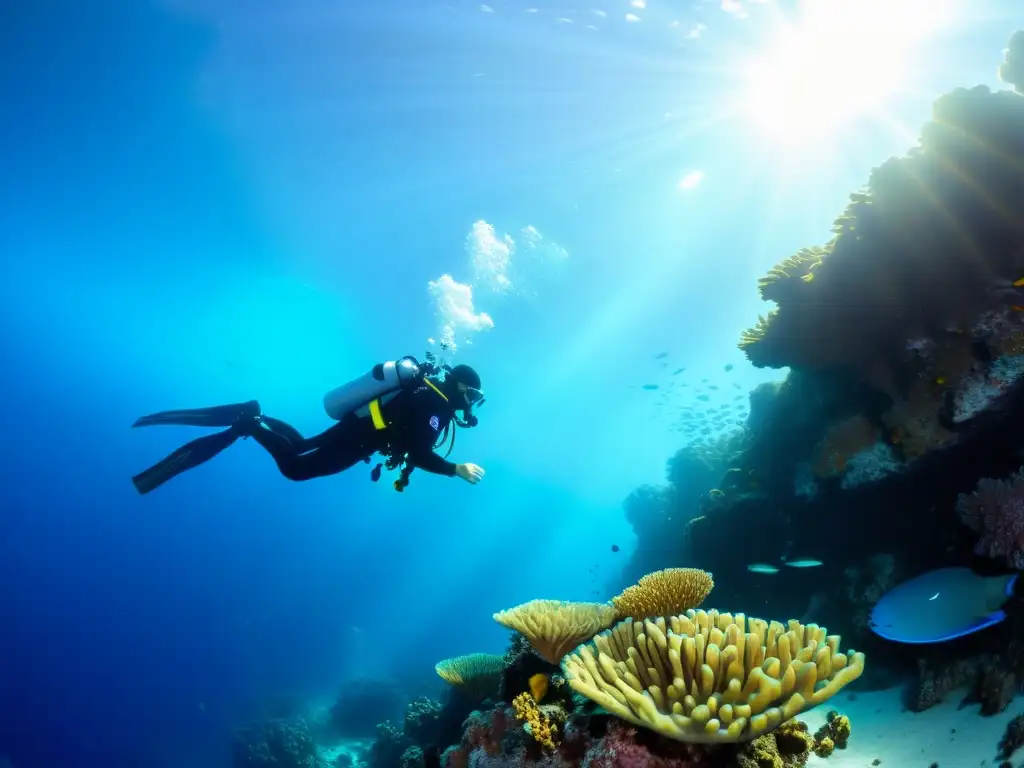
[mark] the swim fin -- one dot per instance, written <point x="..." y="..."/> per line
<point x="188" y="456"/>
<point x="217" y="416"/>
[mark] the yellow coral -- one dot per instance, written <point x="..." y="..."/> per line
<point x="477" y="673"/>
<point x="824" y="747"/>
<point x="792" y="738"/>
<point x="756" y="335"/>
<point x="840" y="727"/>
<point x="538" y="724"/>
<point x="787" y="747"/>
<point x="554" y="627"/>
<point x="836" y="730"/>
<point x="664" y="593"/>
<point x="789" y="273"/>
<point x="710" y="677"/>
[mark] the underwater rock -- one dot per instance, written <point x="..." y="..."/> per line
<point x="389" y="747"/>
<point x="864" y="585"/>
<point x="842" y="525"/>
<point x="276" y="743"/>
<point x="421" y="720"/>
<point x="1012" y="739"/>
<point x="995" y="688"/>
<point x="412" y="758"/>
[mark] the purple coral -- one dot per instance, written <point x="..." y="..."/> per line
<point x="620" y="749"/>
<point x="996" y="511"/>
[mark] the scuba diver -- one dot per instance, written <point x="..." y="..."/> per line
<point x="401" y="409"/>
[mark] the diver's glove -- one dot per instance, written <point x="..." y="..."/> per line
<point x="471" y="473"/>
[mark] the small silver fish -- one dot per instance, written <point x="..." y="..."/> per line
<point x="762" y="568"/>
<point x="804" y="563"/>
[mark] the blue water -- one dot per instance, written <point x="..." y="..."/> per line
<point x="204" y="201"/>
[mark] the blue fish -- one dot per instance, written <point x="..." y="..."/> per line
<point x="941" y="605"/>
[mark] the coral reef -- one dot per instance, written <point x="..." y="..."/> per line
<point x="903" y="334"/>
<point x="929" y="356"/>
<point x="553" y="627"/>
<point x="990" y="679"/>
<point x="622" y="747"/>
<point x="522" y="664"/>
<point x="413" y="757"/>
<point x="663" y="593"/>
<point x="835" y="733"/>
<point x="541" y="724"/>
<point x="276" y="743"/>
<point x="422" y="716"/>
<point x="786" y="747"/>
<point x="996" y="512"/>
<point x="890" y="234"/>
<point x="476" y="674"/>
<point x="706" y="677"/>
<point x="841" y="443"/>
<point x="389" y="747"/>
<point x="491" y="740"/>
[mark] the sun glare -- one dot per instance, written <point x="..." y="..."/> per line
<point x="842" y="60"/>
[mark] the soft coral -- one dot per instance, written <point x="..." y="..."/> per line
<point x="620" y="749"/>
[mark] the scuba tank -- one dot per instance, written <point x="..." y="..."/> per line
<point x="366" y="395"/>
<point x="381" y="380"/>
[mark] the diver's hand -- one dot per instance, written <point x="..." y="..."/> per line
<point x="471" y="473"/>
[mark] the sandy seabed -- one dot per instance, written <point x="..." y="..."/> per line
<point x="948" y="735"/>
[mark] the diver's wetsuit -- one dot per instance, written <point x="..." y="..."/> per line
<point x="414" y="421"/>
<point x="414" y="418"/>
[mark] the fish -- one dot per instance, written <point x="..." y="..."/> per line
<point x="762" y="568"/>
<point x="615" y="547"/>
<point x="661" y="356"/>
<point x="650" y="387"/>
<point x="677" y="371"/>
<point x="941" y="605"/>
<point x="804" y="563"/>
<point x="728" y="367"/>
<point x="538" y="686"/>
<point x="705" y="398"/>
<point x="1018" y="282"/>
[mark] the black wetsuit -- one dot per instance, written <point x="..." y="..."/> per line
<point x="415" y="420"/>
